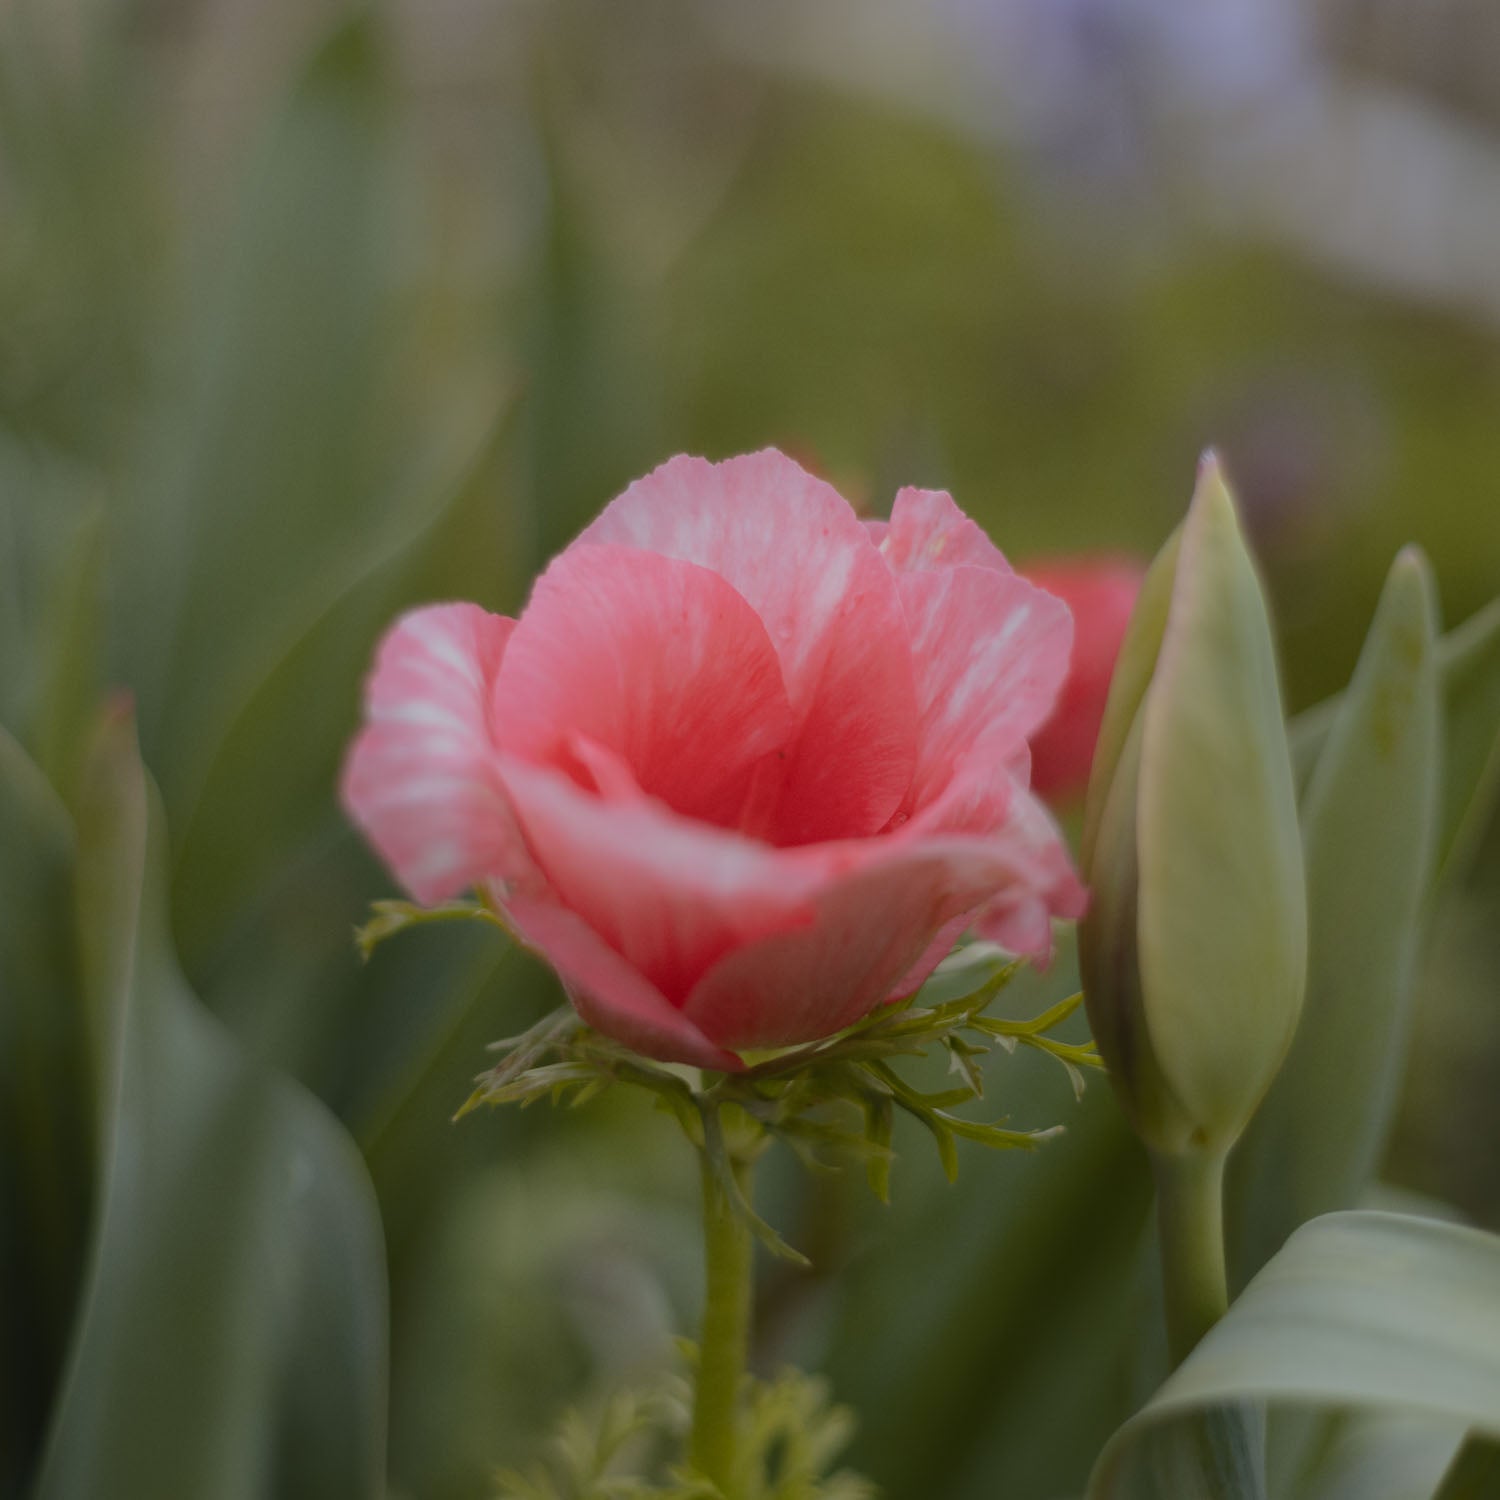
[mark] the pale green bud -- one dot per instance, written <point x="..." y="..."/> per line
<point x="1194" y="950"/>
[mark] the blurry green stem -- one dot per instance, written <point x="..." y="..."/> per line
<point x="1190" y="1217"/>
<point x="724" y="1347"/>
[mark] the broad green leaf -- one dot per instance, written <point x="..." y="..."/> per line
<point x="51" y="602"/>
<point x="71" y="651"/>
<point x="1389" y="1456"/>
<point x="1367" y="1310"/>
<point x="1474" y="1473"/>
<point x="231" y="1339"/>
<point x="1217" y="1454"/>
<point x="267" y="790"/>
<point x="46" y="1138"/>
<point x="81" y="243"/>
<point x="1308" y="733"/>
<point x="267" y="848"/>
<point x="1469" y="667"/>
<point x="1369" y="817"/>
<point x="588" y="367"/>
<point x="273" y="427"/>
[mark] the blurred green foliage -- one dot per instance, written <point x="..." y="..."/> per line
<point x="309" y="314"/>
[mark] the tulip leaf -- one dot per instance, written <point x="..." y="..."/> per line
<point x="1360" y="1455"/>
<point x="1385" y="1312"/>
<point x="271" y="429"/>
<point x="71" y="652"/>
<point x="1474" y="1473"/>
<point x="265" y="795"/>
<point x="46" y="1152"/>
<point x="231" y="1339"/>
<point x="265" y="845"/>
<point x="1308" y="733"/>
<point x="1469" y="666"/>
<point x="1369" y="816"/>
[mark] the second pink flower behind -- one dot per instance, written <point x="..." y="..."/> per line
<point x="744" y="768"/>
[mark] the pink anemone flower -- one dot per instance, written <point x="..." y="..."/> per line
<point x="744" y="768"/>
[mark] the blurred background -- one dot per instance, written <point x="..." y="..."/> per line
<point x="311" y="311"/>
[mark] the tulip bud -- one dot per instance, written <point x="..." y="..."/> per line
<point x="1194" y="949"/>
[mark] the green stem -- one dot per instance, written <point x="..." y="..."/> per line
<point x="1190" y="1216"/>
<point x="722" y="1352"/>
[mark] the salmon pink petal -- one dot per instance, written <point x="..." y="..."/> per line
<point x="989" y="649"/>
<point x="420" y="779"/>
<point x="608" y="993"/>
<point x="805" y="563"/>
<point x="890" y="909"/>
<point x="1101" y="592"/>
<point x="927" y="530"/>
<point x="937" y="950"/>
<point x="990" y="652"/>
<point x="1040" y="883"/>
<point x="657" y="660"/>
<point x="875" y="923"/>
<point x="668" y="894"/>
<point x="1032" y="874"/>
<point x="603" y="769"/>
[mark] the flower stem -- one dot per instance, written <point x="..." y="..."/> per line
<point x="728" y="1257"/>
<point x="1190" y="1217"/>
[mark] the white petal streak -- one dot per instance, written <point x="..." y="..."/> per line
<point x="421" y="779"/>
